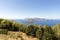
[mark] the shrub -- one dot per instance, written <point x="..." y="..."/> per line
<point x="3" y="31"/>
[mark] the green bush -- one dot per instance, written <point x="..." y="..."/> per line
<point x="3" y="31"/>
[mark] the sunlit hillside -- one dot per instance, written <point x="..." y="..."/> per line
<point x="16" y="36"/>
<point x="11" y="30"/>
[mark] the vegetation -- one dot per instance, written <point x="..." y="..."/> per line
<point x="42" y="32"/>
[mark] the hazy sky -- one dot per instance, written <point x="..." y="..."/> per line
<point x="19" y="9"/>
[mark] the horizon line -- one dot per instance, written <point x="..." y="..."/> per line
<point x="30" y="18"/>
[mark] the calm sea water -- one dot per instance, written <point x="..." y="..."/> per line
<point x="40" y="22"/>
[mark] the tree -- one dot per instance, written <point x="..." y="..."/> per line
<point x="39" y="32"/>
<point x="6" y="24"/>
<point x="48" y="33"/>
<point x="23" y="28"/>
<point x="1" y="20"/>
<point x="56" y="30"/>
<point x="31" y="30"/>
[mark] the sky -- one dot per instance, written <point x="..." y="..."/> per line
<point x="20" y="9"/>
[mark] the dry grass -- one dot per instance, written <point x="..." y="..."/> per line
<point x="16" y="36"/>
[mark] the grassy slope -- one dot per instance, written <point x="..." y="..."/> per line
<point x="16" y="36"/>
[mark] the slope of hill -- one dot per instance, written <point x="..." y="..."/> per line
<point x="29" y="31"/>
<point x="16" y="36"/>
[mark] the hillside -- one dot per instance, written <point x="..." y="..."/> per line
<point x="14" y="30"/>
<point x="16" y="36"/>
